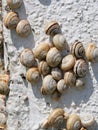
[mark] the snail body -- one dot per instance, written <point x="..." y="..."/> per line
<point x="33" y="75"/>
<point x="14" y="4"/>
<point x="27" y="58"/>
<point x="23" y="28"/>
<point x="77" y="49"/>
<point x="80" y="68"/>
<point x="61" y="86"/>
<point x="53" y="57"/>
<point x="59" y="41"/>
<point x="11" y="20"/>
<point x="67" y="62"/>
<point x="41" y="51"/>
<point x="56" y="73"/>
<point x="48" y="85"/>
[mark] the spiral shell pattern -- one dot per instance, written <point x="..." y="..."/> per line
<point x="56" y="73"/>
<point x="61" y="86"/>
<point x="14" y="4"/>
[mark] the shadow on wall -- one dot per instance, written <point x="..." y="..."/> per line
<point x="46" y="2"/>
<point x="95" y="70"/>
<point x="18" y="41"/>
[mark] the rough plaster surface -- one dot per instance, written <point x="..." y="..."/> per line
<point x="78" y="20"/>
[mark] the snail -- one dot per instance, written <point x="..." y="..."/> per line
<point x="41" y="51"/>
<point x="68" y="62"/>
<point x="27" y="58"/>
<point x="80" y="68"/>
<point x="61" y="86"/>
<point x="44" y="68"/>
<point x="55" y="119"/>
<point x="53" y="57"/>
<point x="48" y="85"/>
<point x="52" y="28"/>
<point x="92" y="52"/>
<point x="56" y="73"/>
<point x="3" y="127"/>
<point x="3" y="118"/>
<point x="14" y="4"/>
<point x="83" y="128"/>
<point x="4" y="80"/>
<point x="59" y="41"/>
<point x="73" y="122"/>
<point x="80" y="83"/>
<point x="33" y="75"/>
<point x="69" y="78"/>
<point x="23" y="28"/>
<point x="56" y="95"/>
<point x="11" y="20"/>
<point x="77" y="49"/>
<point x="87" y="120"/>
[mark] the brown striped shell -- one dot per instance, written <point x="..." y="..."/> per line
<point x="80" y="68"/>
<point x="77" y="49"/>
<point x="61" y="86"/>
<point x="27" y="58"/>
<point x="23" y="28"/>
<point x="52" y="28"/>
<point x="56" y="73"/>
<point x="68" y="62"/>
<point x="14" y="4"/>
<point x="53" y="57"/>
<point x="41" y="51"/>
<point x="48" y="85"/>
<point x="11" y="20"/>
<point x="33" y="75"/>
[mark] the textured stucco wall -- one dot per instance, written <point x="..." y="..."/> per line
<point x="78" y="20"/>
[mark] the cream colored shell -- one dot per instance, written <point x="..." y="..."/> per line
<point x="33" y="75"/>
<point x="11" y="20"/>
<point x="56" y="73"/>
<point x="41" y="50"/>
<point x="27" y="58"/>
<point x="48" y="85"/>
<point x="53" y="57"/>
<point x="61" y="86"/>
<point x="83" y="128"/>
<point x="73" y="122"/>
<point x="59" y="41"/>
<point x="14" y="4"/>
<point x="3" y="118"/>
<point x="23" y="28"/>
<point x="80" y="83"/>
<point x="68" y="62"/>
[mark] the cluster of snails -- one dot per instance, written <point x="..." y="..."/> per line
<point x="12" y="20"/>
<point x="58" y="117"/>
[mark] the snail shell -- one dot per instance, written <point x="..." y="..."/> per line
<point x="53" y="57"/>
<point x="44" y="68"/>
<point x="68" y="62"/>
<point x="11" y="20"/>
<point x="41" y="51"/>
<point x="70" y="78"/>
<point x="3" y="127"/>
<point x="61" y="86"/>
<point x="3" y="118"/>
<point x="60" y="42"/>
<point x="87" y="120"/>
<point x="23" y="28"/>
<point x="73" y="122"/>
<point x="48" y="85"/>
<point x="83" y="128"/>
<point x="56" y="95"/>
<point x="92" y="52"/>
<point x="27" y="58"/>
<point x="80" y="68"/>
<point x="56" y="73"/>
<point x="80" y="83"/>
<point x="14" y="4"/>
<point x="52" y="28"/>
<point x="33" y="75"/>
<point x="77" y="49"/>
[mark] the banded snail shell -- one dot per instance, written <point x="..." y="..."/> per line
<point x="83" y="128"/>
<point x="73" y="122"/>
<point x="11" y="20"/>
<point x="59" y="41"/>
<point x="80" y="68"/>
<point x="3" y="118"/>
<point x="68" y="62"/>
<point x="52" y="28"/>
<point x="44" y="68"/>
<point x="23" y="28"/>
<point x="48" y="85"/>
<point x="77" y="49"/>
<point x="53" y="57"/>
<point x="33" y="75"/>
<point x="80" y="83"/>
<point x="41" y="51"/>
<point x="70" y="79"/>
<point x="14" y="4"/>
<point x="61" y="86"/>
<point x="56" y="73"/>
<point x="27" y="58"/>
